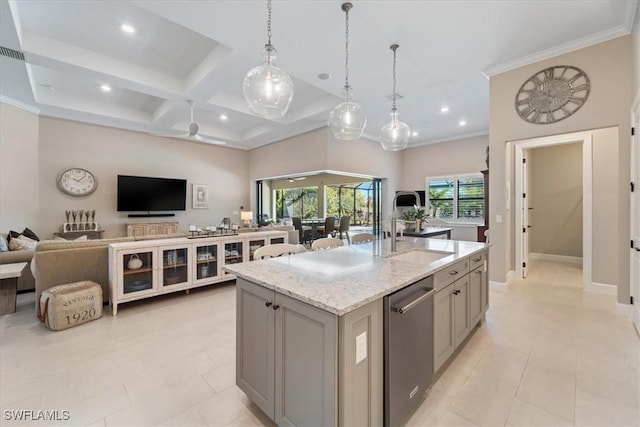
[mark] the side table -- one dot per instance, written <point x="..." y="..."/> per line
<point x="9" y="274"/>
<point x="91" y="234"/>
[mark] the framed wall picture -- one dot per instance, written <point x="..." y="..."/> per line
<point x="200" y="196"/>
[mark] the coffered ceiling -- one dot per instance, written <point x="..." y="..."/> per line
<point x="201" y="50"/>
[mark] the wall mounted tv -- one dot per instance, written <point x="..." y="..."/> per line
<point x="411" y="200"/>
<point x="147" y="194"/>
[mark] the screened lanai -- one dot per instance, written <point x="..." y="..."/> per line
<point x="354" y="199"/>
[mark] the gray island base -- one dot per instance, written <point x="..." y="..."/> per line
<point x="310" y="327"/>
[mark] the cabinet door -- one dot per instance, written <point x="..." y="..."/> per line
<point x="306" y="364"/>
<point x="232" y="252"/>
<point x="206" y="262"/>
<point x="255" y="244"/>
<point x="485" y="287"/>
<point x="476" y="303"/>
<point x="461" y="310"/>
<point x="255" y="344"/>
<point x="175" y="267"/>
<point x="136" y="272"/>
<point x="443" y="343"/>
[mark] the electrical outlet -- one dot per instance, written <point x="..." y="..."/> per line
<point x="235" y="212"/>
<point x="498" y="219"/>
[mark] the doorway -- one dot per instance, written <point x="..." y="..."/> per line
<point x="522" y="210"/>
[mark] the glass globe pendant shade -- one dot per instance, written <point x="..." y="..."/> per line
<point x="348" y="119"/>
<point x="267" y="89"/>
<point x="395" y="135"/>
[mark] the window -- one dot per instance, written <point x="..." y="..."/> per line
<point x="456" y="197"/>
<point x="300" y="201"/>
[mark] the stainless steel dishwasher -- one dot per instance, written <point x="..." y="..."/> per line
<point x="408" y="349"/>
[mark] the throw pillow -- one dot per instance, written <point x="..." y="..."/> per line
<point x="30" y="234"/>
<point x="12" y="235"/>
<point x="22" y="243"/>
<point x="4" y="245"/>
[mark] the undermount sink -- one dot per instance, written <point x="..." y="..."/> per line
<point x="421" y="257"/>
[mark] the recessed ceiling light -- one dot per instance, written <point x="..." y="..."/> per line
<point x="324" y="76"/>
<point x="444" y="110"/>
<point x="46" y="86"/>
<point x="414" y="134"/>
<point x="105" y="88"/>
<point x="223" y="117"/>
<point x="462" y="123"/>
<point x="127" y="28"/>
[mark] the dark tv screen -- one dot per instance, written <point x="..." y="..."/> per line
<point x="142" y="193"/>
<point x="410" y="200"/>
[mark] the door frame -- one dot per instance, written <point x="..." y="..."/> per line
<point x="586" y="139"/>
<point x="634" y="262"/>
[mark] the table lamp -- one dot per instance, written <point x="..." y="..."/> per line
<point x="246" y="217"/>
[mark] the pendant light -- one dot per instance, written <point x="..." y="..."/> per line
<point x="395" y="135"/>
<point x="267" y="89"/>
<point x="348" y="119"/>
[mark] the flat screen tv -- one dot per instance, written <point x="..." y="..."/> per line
<point x="411" y="200"/>
<point x="146" y="194"/>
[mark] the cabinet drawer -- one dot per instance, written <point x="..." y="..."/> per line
<point x="476" y="260"/>
<point x="451" y="274"/>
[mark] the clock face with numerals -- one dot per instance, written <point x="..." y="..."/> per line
<point x="77" y="182"/>
<point x="552" y="94"/>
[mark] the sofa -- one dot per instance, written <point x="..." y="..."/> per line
<point x="26" y="282"/>
<point x="59" y="262"/>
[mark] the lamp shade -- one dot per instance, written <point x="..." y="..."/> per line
<point x="267" y="89"/>
<point x="394" y="136"/>
<point x="246" y="215"/>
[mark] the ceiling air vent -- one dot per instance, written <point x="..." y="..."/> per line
<point x="5" y="51"/>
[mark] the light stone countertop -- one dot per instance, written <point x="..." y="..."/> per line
<point x="342" y="279"/>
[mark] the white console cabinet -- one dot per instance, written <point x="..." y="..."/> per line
<point x="148" y="268"/>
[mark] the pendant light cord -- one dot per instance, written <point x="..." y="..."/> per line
<point x="269" y="22"/>
<point x="346" y="7"/>
<point x="394" y="48"/>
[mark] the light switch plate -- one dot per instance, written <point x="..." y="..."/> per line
<point x="361" y="347"/>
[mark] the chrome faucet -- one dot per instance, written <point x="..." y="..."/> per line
<point x="393" y="214"/>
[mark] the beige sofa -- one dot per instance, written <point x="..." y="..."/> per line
<point x="26" y="281"/>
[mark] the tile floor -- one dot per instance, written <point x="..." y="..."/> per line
<point x="549" y="354"/>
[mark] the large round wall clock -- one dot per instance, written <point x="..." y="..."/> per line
<point x="552" y="94"/>
<point x="77" y="182"/>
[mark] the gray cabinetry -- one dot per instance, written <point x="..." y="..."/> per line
<point x="458" y="305"/>
<point x="286" y="359"/>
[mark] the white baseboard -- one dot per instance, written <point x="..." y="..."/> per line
<point x="624" y="310"/>
<point x="602" y="288"/>
<point x="511" y="275"/>
<point x="492" y="283"/>
<point x="559" y="258"/>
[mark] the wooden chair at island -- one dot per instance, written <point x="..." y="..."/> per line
<point x="362" y="238"/>
<point x="326" y="243"/>
<point x="276" y="250"/>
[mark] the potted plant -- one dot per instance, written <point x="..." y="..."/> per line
<point x="415" y="215"/>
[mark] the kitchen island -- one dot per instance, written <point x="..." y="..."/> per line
<point x="310" y="327"/>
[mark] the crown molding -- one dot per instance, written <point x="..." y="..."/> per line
<point x="19" y="104"/>
<point x="542" y="55"/>
<point x="449" y="139"/>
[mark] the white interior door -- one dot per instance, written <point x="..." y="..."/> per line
<point x="635" y="217"/>
<point x="525" y="214"/>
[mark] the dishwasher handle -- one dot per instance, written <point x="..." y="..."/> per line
<point x="412" y="302"/>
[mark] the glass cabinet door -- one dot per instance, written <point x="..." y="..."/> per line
<point x="274" y="240"/>
<point x="232" y="252"/>
<point x="137" y="272"/>
<point x="253" y="246"/>
<point x="175" y="266"/>
<point x="206" y="261"/>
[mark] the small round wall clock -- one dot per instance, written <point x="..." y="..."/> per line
<point x="77" y="182"/>
<point x="552" y="94"/>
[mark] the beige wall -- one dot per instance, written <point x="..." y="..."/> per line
<point x="19" y="171"/>
<point x="319" y="151"/>
<point x="463" y="156"/>
<point x="555" y="194"/>
<point x="609" y="67"/>
<point x="108" y="152"/>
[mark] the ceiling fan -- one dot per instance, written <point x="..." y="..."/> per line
<point x="193" y="131"/>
